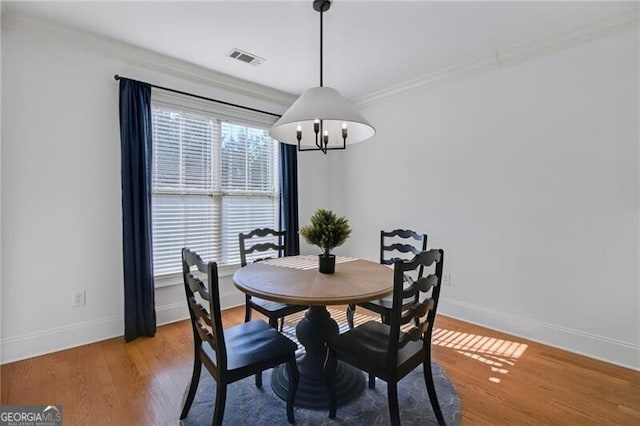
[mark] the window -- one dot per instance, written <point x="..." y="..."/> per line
<point x="214" y="174"/>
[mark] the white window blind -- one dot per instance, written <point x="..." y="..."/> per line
<point x="214" y="174"/>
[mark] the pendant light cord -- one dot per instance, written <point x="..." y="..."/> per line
<point x="321" y="37"/>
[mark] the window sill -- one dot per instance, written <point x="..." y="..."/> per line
<point x="170" y="280"/>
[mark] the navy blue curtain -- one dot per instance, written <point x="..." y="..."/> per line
<point x="289" y="197"/>
<point x="135" y="142"/>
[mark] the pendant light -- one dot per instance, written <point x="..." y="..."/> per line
<point x="321" y="119"/>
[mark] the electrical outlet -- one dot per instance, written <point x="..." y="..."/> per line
<point x="446" y="279"/>
<point x="79" y="298"/>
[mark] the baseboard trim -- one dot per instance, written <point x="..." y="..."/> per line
<point x="175" y="312"/>
<point x="590" y="345"/>
<point x="74" y="335"/>
<point x="56" y="339"/>
<point x="594" y="346"/>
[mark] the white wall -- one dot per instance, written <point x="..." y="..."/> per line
<point x="2" y="6"/>
<point x="61" y="188"/>
<point x="314" y="190"/>
<point x="528" y="178"/>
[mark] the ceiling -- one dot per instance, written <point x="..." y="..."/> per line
<point x="368" y="45"/>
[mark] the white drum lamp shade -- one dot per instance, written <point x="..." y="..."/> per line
<point x="326" y="104"/>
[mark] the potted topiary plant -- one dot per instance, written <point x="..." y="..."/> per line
<point x="327" y="231"/>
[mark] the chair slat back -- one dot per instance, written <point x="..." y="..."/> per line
<point x="263" y="240"/>
<point x="206" y="324"/>
<point x="425" y="291"/>
<point x="401" y="244"/>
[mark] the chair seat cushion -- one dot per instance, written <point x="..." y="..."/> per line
<point x="383" y="306"/>
<point x="254" y="343"/>
<point x="365" y="347"/>
<point x="378" y="304"/>
<point x="268" y="307"/>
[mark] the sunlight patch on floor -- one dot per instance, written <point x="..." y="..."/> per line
<point x="498" y="354"/>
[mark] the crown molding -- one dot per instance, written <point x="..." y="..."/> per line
<point x="177" y="68"/>
<point x="509" y="56"/>
<point x="144" y="58"/>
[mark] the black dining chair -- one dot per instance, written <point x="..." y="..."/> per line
<point x="391" y="351"/>
<point x="271" y="243"/>
<point x="235" y="353"/>
<point x="396" y="244"/>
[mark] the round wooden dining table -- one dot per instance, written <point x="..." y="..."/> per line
<point x="296" y="280"/>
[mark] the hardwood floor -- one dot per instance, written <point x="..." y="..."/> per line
<point x="501" y="379"/>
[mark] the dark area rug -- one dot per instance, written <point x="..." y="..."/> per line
<point x="248" y="405"/>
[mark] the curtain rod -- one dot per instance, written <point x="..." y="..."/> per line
<point x="117" y="77"/>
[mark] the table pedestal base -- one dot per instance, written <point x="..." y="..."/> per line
<point x="312" y="393"/>
<point x="312" y="332"/>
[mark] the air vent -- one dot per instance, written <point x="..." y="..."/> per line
<point x="246" y="57"/>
